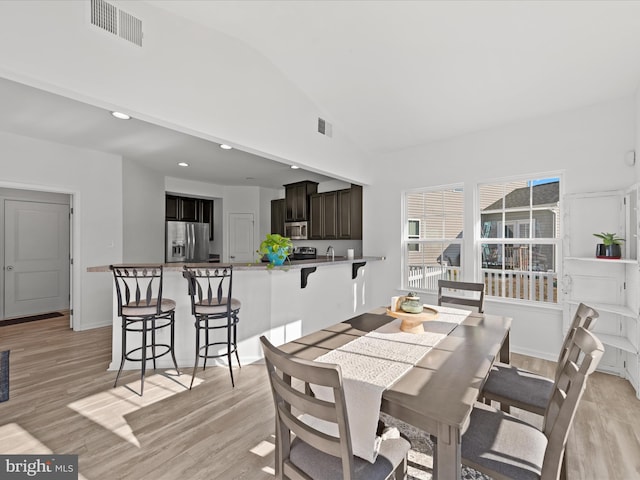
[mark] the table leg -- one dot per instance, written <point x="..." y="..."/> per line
<point x="447" y="461"/>
<point x="505" y="351"/>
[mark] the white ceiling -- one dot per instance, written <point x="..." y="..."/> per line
<point x="388" y="74"/>
<point x="394" y="74"/>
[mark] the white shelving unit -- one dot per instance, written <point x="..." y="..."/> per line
<point x="612" y="287"/>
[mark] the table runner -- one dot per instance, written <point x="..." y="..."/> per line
<point x="374" y="362"/>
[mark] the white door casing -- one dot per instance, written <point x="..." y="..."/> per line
<point x="37" y="265"/>
<point x="241" y="247"/>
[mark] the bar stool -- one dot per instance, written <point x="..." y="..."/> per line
<point x="143" y="311"/>
<point x="213" y="308"/>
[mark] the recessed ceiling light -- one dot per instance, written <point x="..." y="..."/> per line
<point x="120" y="115"/>
<point x="183" y="164"/>
<point x="295" y="167"/>
<point x="224" y="146"/>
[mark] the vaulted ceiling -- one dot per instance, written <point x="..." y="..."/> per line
<point x="394" y="73"/>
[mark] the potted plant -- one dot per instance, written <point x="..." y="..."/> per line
<point x="276" y="248"/>
<point x="610" y="246"/>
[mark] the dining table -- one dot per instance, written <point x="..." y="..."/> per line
<point x="438" y="392"/>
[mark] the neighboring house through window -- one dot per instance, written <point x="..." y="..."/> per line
<point x="434" y="220"/>
<point x="518" y="238"/>
<point x="520" y="225"/>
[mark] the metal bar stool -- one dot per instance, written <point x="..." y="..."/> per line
<point x="143" y="311"/>
<point x="213" y="308"/>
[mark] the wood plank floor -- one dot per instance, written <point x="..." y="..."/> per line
<point x="61" y="401"/>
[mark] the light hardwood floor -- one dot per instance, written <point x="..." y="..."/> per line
<point x="61" y="401"/>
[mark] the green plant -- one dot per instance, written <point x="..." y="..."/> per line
<point x="609" y="238"/>
<point x="277" y="244"/>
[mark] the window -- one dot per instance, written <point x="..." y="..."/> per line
<point x="519" y="230"/>
<point x="432" y="242"/>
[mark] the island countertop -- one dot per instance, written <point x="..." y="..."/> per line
<point x="283" y="302"/>
<point x="293" y="264"/>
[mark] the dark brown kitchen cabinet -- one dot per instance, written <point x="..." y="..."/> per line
<point x="206" y="209"/>
<point x="350" y="213"/>
<point x="297" y="200"/>
<point x="187" y="209"/>
<point x="323" y="208"/>
<point x="277" y="216"/>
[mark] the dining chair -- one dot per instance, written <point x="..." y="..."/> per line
<point x="144" y="311"/>
<point x="515" y="387"/>
<point x="214" y="309"/>
<point x="505" y="447"/>
<point x="316" y="454"/>
<point x="461" y="293"/>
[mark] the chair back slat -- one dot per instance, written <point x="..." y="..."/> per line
<point x="290" y="377"/>
<point x="568" y="390"/>
<point x="585" y="317"/>
<point x="469" y="294"/>
<point x="202" y="285"/>
<point x="138" y="286"/>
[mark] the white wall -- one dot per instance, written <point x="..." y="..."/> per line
<point x="143" y="214"/>
<point x="588" y="145"/>
<point x="95" y="181"/>
<point x="185" y="76"/>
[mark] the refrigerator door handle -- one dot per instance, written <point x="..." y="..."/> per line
<point x="193" y="241"/>
<point x="188" y="234"/>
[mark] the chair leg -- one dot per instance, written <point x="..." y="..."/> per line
<point x="206" y="342"/>
<point x="123" y="346"/>
<point x="195" y="362"/>
<point x="143" y="356"/>
<point x="235" y="340"/>
<point x="153" y="342"/>
<point x="172" y="341"/>
<point x="229" y="355"/>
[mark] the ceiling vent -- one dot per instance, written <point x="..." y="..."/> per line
<point x="108" y="17"/>
<point x="324" y="127"/>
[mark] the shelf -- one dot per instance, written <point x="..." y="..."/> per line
<point x="602" y="260"/>
<point x="610" y="308"/>
<point x="618" y="342"/>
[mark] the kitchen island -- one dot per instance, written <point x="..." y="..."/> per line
<point x="284" y="302"/>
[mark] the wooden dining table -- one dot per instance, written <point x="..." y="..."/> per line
<point x="438" y="393"/>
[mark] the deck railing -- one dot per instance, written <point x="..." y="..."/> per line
<point x="533" y="286"/>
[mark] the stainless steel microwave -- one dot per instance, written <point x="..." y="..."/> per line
<point x="296" y="230"/>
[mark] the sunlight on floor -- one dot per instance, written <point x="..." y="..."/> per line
<point x="110" y="407"/>
<point x="15" y="440"/>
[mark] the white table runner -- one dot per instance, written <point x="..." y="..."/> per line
<point x="374" y="362"/>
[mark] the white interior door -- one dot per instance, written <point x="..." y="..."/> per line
<point x="241" y="243"/>
<point x="36" y="253"/>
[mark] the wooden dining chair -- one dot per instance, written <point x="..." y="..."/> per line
<point x="315" y="454"/>
<point x="515" y="387"/>
<point x="461" y="293"/>
<point x="505" y="447"/>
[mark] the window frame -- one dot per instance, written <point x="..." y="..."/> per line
<point x="556" y="241"/>
<point x="408" y="240"/>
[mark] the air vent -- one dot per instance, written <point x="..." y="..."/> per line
<point x="109" y="18"/>
<point x="104" y="15"/>
<point x="130" y="28"/>
<point x="324" y="127"/>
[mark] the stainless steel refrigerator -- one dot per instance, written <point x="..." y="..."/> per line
<point x="187" y="242"/>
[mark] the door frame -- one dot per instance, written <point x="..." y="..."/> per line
<point x="75" y="287"/>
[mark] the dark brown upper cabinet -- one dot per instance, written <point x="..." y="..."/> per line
<point x="187" y="209"/>
<point x="277" y="216"/>
<point x="323" y="216"/>
<point x="297" y="200"/>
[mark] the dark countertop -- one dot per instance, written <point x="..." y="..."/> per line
<point x="321" y="261"/>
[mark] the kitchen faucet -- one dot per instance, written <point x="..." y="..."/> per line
<point x="330" y="252"/>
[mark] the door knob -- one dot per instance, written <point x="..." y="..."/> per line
<point x="9" y="267"/>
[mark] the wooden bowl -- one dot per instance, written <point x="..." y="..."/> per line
<point x="412" y="322"/>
